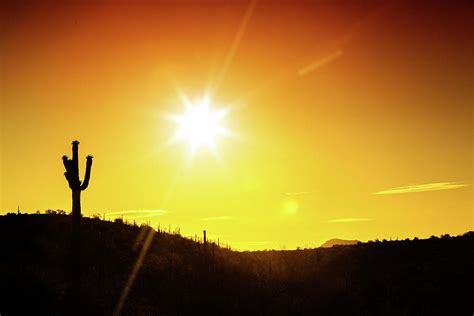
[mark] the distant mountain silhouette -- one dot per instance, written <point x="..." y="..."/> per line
<point x="338" y="242"/>
<point x="151" y="272"/>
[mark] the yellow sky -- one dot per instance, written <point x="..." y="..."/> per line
<point x="352" y="121"/>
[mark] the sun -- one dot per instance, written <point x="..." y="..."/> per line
<point x="200" y="126"/>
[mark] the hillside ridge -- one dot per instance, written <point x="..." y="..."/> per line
<point x="178" y="276"/>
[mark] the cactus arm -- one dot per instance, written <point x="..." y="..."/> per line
<point x="65" y="162"/>
<point x="68" y="180"/>
<point x="67" y="174"/>
<point x="85" y="183"/>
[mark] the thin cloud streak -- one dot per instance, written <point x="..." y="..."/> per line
<point x="423" y="187"/>
<point x="350" y="220"/>
<point x="249" y="243"/>
<point x="139" y="213"/>
<point x="146" y="216"/>
<point x="298" y="193"/>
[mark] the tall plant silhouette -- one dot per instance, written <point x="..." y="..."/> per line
<point x="76" y="186"/>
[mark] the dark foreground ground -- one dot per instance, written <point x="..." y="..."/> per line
<point x="181" y="277"/>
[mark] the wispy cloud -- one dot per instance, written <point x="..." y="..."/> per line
<point x="298" y="193"/>
<point x="247" y="244"/>
<point x="218" y="218"/>
<point x="423" y="187"/>
<point x="136" y="214"/>
<point x="148" y="215"/>
<point x="350" y="220"/>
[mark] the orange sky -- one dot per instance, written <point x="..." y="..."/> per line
<point x="332" y="102"/>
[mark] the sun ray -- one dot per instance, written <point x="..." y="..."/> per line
<point x="235" y="44"/>
<point x="134" y="272"/>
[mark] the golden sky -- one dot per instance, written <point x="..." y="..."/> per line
<point x="351" y="119"/>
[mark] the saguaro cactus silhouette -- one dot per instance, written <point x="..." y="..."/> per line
<point x="72" y="177"/>
<point x="76" y="186"/>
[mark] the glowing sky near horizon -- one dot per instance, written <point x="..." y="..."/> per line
<point x="353" y="119"/>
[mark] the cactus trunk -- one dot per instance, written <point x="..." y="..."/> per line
<point x="76" y="226"/>
<point x="76" y="208"/>
<point x="75" y="267"/>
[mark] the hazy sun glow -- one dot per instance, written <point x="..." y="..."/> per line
<point x="200" y="126"/>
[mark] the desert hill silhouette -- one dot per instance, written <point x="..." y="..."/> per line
<point x="179" y="276"/>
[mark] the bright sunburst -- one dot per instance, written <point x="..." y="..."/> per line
<point x="200" y="126"/>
